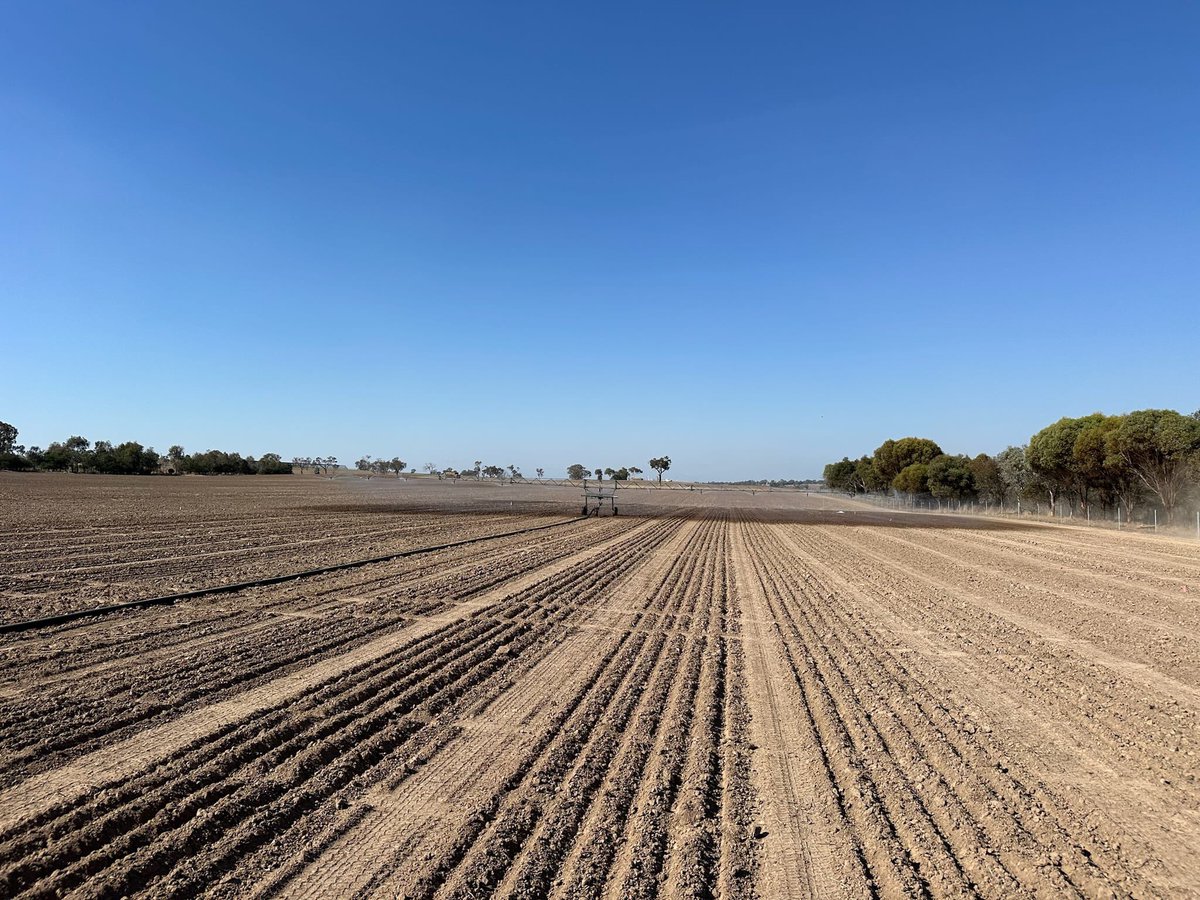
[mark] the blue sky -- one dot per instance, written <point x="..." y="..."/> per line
<point x="752" y="238"/>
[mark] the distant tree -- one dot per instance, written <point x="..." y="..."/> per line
<point x="493" y="471"/>
<point x="1051" y="456"/>
<point x="138" y="460"/>
<point x="839" y="476"/>
<point x="513" y="472"/>
<point x="1160" y="446"/>
<point x="397" y="465"/>
<point x="577" y="472"/>
<point x="273" y="464"/>
<point x="430" y="467"/>
<point x="101" y="459"/>
<point x="12" y="457"/>
<point x="660" y="464"/>
<point x="867" y="477"/>
<point x="1014" y="469"/>
<point x="78" y="453"/>
<point x="950" y="478"/>
<point x="634" y="470"/>
<point x="478" y="467"/>
<point x="56" y="457"/>
<point x="541" y="473"/>
<point x="14" y="462"/>
<point x="8" y="437"/>
<point x="893" y="456"/>
<point x="1102" y="471"/>
<point x="218" y="462"/>
<point x="912" y="479"/>
<point x="989" y="484"/>
<point x="363" y="464"/>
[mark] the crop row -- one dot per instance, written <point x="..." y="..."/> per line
<point x="182" y="823"/>
<point x="934" y="807"/>
<point x="94" y="696"/>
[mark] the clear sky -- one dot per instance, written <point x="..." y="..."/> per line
<point x="753" y="237"/>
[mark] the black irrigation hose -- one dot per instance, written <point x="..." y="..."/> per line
<point x="258" y="582"/>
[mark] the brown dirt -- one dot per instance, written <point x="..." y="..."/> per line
<point x="718" y="696"/>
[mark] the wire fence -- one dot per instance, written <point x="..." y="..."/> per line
<point x="1149" y="517"/>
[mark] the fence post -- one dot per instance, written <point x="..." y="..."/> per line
<point x="1118" y="517"/>
<point x="1156" y="519"/>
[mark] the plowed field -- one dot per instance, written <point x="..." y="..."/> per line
<point x="717" y="695"/>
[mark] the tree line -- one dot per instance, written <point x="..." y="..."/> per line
<point x="78" y="454"/>
<point x="1111" y="462"/>
<point x="578" y="471"/>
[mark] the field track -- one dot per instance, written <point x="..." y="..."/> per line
<point x="694" y="701"/>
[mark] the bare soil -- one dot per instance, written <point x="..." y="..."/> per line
<point x="716" y="694"/>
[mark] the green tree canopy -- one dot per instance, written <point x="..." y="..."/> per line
<point x="893" y="456"/>
<point x="1051" y="456"/>
<point x="839" y="476"/>
<point x="950" y="478"/>
<point x="867" y="477"/>
<point x="660" y="465"/>
<point x="1160" y="447"/>
<point x="989" y="483"/>
<point x="913" y="479"/>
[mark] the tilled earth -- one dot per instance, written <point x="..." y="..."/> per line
<point x="734" y="696"/>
